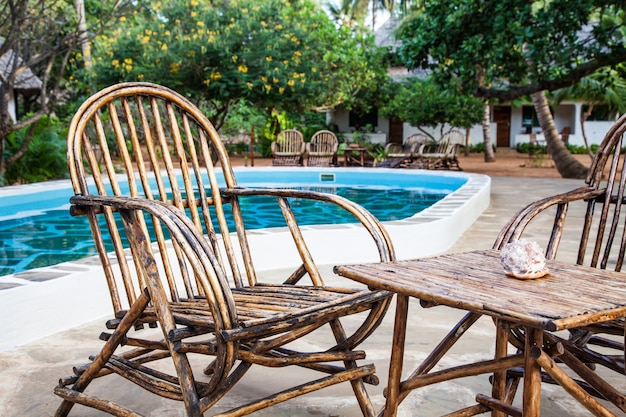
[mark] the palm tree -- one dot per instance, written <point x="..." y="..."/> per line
<point x="566" y="164"/>
<point x="349" y="13"/>
<point x="604" y="87"/>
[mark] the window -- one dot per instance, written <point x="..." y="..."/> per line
<point x="529" y="117"/>
<point x="360" y="120"/>
<point x="600" y="113"/>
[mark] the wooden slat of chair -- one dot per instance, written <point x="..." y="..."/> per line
<point x="322" y="149"/>
<point x="288" y="148"/>
<point x="600" y="242"/>
<point x="156" y="187"/>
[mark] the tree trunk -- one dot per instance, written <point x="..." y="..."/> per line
<point x="566" y="164"/>
<point x="489" y="155"/>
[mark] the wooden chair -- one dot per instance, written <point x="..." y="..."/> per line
<point x="442" y="154"/>
<point x="600" y="238"/>
<point x="400" y="155"/>
<point x="288" y="148"/>
<point x="191" y="274"/>
<point x="322" y="149"/>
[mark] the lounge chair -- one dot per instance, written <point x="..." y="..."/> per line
<point x="442" y="154"/>
<point x="322" y="149"/>
<point x="288" y="148"/>
<point x="601" y="241"/>
<point x="190" y="275"/>
<point x="401" y="155"/>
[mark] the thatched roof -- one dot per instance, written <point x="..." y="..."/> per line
<point x="385" y="37"/>
<point x="26" y="81"/>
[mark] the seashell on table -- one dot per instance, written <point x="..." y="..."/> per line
<point x="523" y="259"/>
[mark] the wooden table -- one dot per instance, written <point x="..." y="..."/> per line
<point x="568" y="297"/>
<point x="353" y="155"/>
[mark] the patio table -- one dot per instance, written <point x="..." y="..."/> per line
<point x="354" y="156"/>
<point x="569" y="296"/>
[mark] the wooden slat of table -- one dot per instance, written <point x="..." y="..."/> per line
<point x="568" y="296"/>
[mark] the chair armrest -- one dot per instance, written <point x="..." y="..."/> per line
<point x="369" y="221"/>
<point x="516" y="226"/>
<point x="195" y="247"/>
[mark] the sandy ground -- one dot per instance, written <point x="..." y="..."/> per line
<point x="509" y="163"/>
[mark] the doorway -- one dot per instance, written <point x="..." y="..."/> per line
<point x="502" y="119"/>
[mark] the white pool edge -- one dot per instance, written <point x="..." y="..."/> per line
<point x="79" y="294"/>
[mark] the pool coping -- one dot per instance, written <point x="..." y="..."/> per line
<point x="59" y="297"/>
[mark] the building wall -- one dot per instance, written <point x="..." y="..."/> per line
<point x="565" y="115"/>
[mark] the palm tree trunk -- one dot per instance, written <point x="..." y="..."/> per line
<point x="566" y="164"/>
<point x="489" y="155"/>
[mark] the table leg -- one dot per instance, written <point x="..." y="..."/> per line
<point x="532" y="373"/>
<point x="498" y="390"/>
<point x="397" y="356"/>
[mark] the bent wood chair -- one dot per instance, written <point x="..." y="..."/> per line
<point x="191" y="275"/>
<point x="441" y="154"/>
<point x="288" y="148"/>
<point x="403" y="154"/>
<point x="322" y="149"/>
<point x="595" y="237"/>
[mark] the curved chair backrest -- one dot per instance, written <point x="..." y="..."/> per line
<point x="167" y="151"/>
<point x="601" y="235"/>
<point x="322" y="148"/>
<point x="288" y="148"/>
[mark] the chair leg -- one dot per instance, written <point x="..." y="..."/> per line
<point x="358" y="386"/>
<point x="107" y="351"/>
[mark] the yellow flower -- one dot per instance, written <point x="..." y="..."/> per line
<point x="291" y="83"/>
<point x="242" y="68"/>
<point x="244" y="10"/>
<point x="145" y="40"/>
<point x="122" y="18"/>
<point x="140" y="77"/>
<point x="174" y="67"/>
<point x="313" y="69"/>
<point x="128" y="61"/>
<point x="206" y="82"/>
<point x="234" y="58"/>
<point x="250" y="85"/>
<point x="191" y="54"/>
<point x="115" y="63"/>
<point x="275" y="80"/>
<point x="200" y="23"/>
<point x="216" y="75"/>
<point x="268" y="58"/>
<point x="281" y="90"/>
<point x="264" y="78"/>
<point x="268" y="87"/>
<point x="193" y="14"/>
<point x="194" y="3"/>
<point x="279" y="27"/>
<point x="297" y="53"/>
<point x="168" y="33"/>
<point x="263" y="23"/>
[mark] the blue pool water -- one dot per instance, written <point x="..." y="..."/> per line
<point x="36" y="229"/>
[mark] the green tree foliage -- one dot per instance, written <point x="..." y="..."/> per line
<point x="423" y="103"/>
<point x="272" y="54"/>
<point x="513" y="48"/>
<point x="45" y="158"/>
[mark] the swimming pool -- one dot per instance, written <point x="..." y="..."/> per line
<point x="36" y="229"/>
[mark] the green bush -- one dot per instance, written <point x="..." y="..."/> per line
<point x="45" y="158"/>
<point x="480" y="147"/>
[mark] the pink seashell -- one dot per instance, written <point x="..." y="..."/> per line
<point x="523" y="259"/>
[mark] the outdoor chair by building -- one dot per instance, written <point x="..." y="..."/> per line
<point x="442" y="154"/>
<point x="189" y="274"/>
<point x="288" y="148"/>
<point x="322" y="149"/>
<point x="598" y="240"/>
<point x="403" y="154"/>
